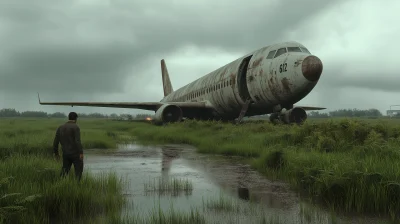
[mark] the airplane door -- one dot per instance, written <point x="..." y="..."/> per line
<point x="243" y="91"/>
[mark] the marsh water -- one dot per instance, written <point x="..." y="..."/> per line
<point x="225" y="190"/>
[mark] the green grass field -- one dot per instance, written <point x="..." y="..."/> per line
<point x="351" y="165"/>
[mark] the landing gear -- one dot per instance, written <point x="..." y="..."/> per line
<point x="276" y="117"/>
<point x="244" y="110"/>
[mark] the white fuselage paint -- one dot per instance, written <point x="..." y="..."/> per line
<point x="266" y="84"/>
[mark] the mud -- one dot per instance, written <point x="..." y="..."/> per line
<point x="211" y="177"/>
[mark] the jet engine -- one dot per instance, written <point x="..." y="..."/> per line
<point x="295" y="115"/>
<point x="168" y="113"/>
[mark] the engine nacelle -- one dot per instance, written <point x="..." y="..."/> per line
<point x="168" y="113"/>
<point x="295" y="115"/>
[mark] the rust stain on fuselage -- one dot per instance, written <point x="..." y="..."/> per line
<point x="233" y="80"/>
<point x="251" y="78"/>
<point x="274" y="87"/>
<point x="286" y="84"/>
<point x="257" y="62"/>
<point x="260" y="73"/>
<point x="222" y="74"/>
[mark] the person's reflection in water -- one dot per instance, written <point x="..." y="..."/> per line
<point x="243" y="193"/>
<point x="168" y="154"/>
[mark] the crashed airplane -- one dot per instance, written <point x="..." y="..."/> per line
<point x="266" y="81"/>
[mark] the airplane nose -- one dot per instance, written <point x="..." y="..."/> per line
<point x="311" y="68"/>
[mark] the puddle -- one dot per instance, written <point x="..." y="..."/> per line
<point x="225" y="190"/>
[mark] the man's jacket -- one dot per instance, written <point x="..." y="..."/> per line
<point x="69" y="136"/>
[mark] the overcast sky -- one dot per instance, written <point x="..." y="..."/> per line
<point x="99" y="50"/>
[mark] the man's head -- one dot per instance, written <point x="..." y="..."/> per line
<point x="72" y="116"/>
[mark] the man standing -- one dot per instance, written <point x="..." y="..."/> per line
<point x="69" y="136"/>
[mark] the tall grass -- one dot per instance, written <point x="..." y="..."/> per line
<point x="31" y="190"/>
<point x="173" y="186"/>
<point x="213" y="210"/>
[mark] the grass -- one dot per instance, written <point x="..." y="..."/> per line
<point x="157" y="216"/>
<point x="31" y="190"/>
<point x="210" y="212"/>
<point x="222" y="204"/>
<point x="350" y="165"/>
<point x="172" y="186"/>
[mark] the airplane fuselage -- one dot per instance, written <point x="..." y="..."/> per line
<point x="280" y="74"/>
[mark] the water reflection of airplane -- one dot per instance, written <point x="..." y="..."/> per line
<point x="239" y="180"/>
<point x="245" y="183"/>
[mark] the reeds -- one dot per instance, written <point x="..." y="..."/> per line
<point x="173" y="186"/>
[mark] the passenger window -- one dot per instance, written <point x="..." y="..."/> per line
<point x="305" y="50"/>
<point x="293" y="49"/>
<point x="271" y="54"/>
<point x="280" y="52"/>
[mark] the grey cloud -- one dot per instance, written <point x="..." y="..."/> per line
<point x="388" y="84"/>
<point x="77" y="68"/>
<point x="71" y="47"/>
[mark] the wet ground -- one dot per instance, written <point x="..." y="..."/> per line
<point x="224" y="189"/>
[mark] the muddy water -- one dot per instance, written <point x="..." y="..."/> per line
<point x="254" y="197"/>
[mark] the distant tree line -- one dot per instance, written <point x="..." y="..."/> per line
<point x="9" y="112"/>
<point x="346" y="113"/>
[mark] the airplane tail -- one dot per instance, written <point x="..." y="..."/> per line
<point x="165" y="78"/>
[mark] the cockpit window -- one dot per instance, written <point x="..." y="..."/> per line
<point x="305" y="50"/>
<point x="280" y="52"/>
<point x="293" y="49"/>
<point x="271" y="54"/>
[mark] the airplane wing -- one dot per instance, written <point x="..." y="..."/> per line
<point x="311" y="108"/>
<point x="133" y="105"/>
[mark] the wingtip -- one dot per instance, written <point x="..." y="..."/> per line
<point x="39" y="98"/>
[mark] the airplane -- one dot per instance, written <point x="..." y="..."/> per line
<point x="269" y="80"/>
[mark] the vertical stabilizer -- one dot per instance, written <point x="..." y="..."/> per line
<point x="165" y="78"/>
